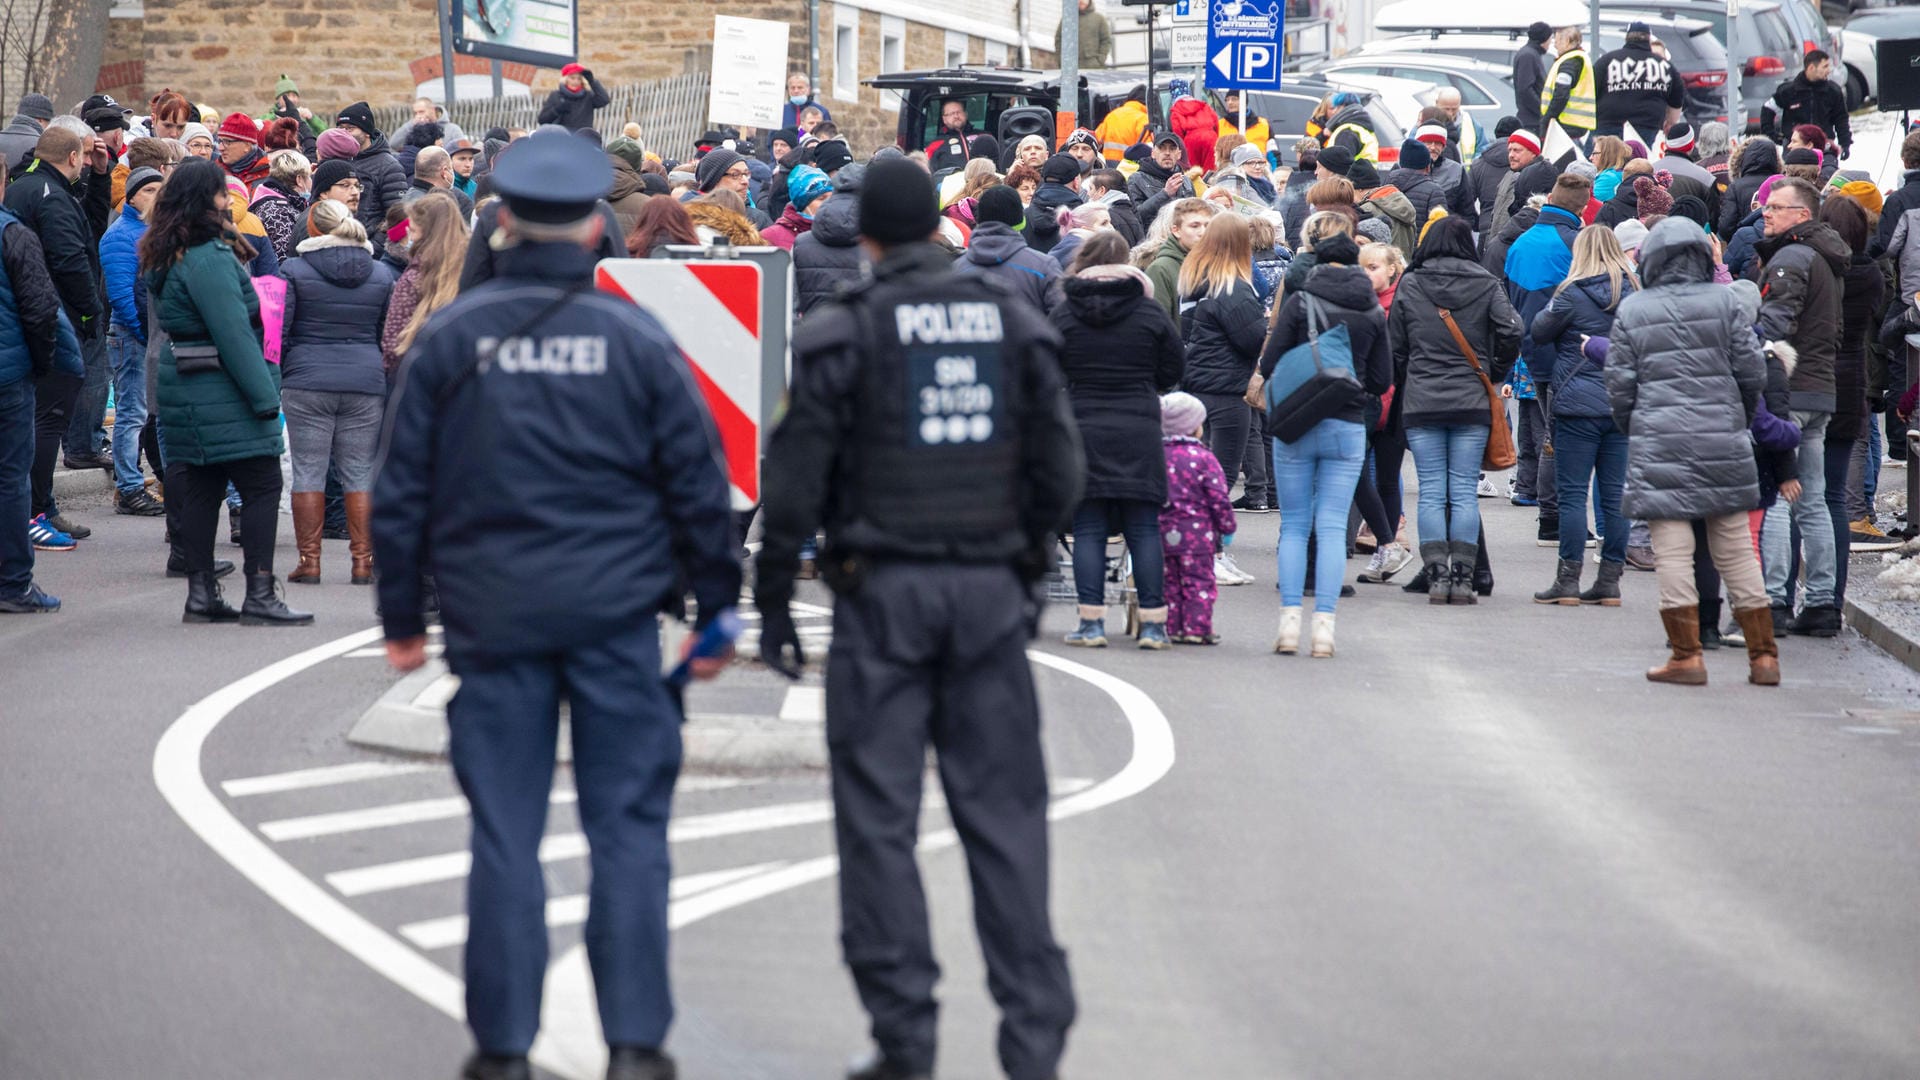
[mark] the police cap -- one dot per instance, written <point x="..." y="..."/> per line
<point x="551" y="178"/>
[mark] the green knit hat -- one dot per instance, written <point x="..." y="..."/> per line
<point x="284" y="86"/>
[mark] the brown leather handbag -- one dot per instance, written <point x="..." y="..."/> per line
<point x="1500" y="450"/>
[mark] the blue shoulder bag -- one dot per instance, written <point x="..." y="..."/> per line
<point x="1313" y="380"/>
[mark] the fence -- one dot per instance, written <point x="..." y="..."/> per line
<point x="672" y="113"/>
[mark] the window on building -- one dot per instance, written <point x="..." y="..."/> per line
<point x="956" y="48"/>
<point x="893" y="54"/>
<point x="997" y="52"/>
<point x="846" y="53"/>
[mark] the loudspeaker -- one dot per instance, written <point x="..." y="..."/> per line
<point x="1899" y="74"/>
<point x="1021" y="121"/>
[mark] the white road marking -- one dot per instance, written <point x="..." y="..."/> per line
<point x="565" y="911"/>
<point x="569" y="1044"/>
<point x="324" y="776"/>
<point x="376" y="817"/>
<point x="380" y="652"/>
<point x="807" y="704"/>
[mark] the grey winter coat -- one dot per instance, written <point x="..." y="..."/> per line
<point x="1802" y="289"/>
<point x="17" y="141"/>
<point x="997" y="251"/>
<point x="1684" y="375"/>
<point x="1441" y="389"/>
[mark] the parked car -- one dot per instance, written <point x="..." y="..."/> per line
<point x="1289" y="108"/>
<point x="1486" y="89"/>
<point x="1863" y="34"/>
<point x="1764" y="37"/>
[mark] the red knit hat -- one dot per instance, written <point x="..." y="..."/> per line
<point x="572" y="69"/>
<point x="1525" y="138"/>
<point x="241" y="127"/>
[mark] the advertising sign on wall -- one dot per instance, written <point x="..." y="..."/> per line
<point x="544" y="33"/>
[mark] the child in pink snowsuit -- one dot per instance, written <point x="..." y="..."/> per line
<point x="1196" y="523"/>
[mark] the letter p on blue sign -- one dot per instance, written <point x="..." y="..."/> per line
<point x="1259" y="63"/>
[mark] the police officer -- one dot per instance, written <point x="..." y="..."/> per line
<point x="548" y="459"/>
<point x="928" y="431"/>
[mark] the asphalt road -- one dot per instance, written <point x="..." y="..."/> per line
<point x="1477" y="843"/>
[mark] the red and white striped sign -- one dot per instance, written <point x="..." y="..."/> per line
<point x="712" y="310"/>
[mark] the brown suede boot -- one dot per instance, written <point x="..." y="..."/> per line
<point x="1763" y="656"/>
<point x="309" y="517"/>
<point x="1685" y="667"/>
<point x="360" y="535"/>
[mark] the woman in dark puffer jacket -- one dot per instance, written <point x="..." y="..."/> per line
<point x="1119" y="353"/>
<point x="333" y="381"/>
<point x="1758" y="159"/>
<point x="1223" y="323"/>
<point x="1864" y="290"/>
<point x="828" y="256"/>
<point x="1446" y="411"/>
<point x="1585" y="439"/>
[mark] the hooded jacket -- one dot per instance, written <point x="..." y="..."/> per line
<point x="1421" y="190"/>
<point x="1479" y="195"/>
<point x="70" y="219"/>
<point x="712" y="220"/>
<point x="1759" y="159"/>
<point x="999" y="252"/>
<point x="1198" y="127"/>
<point x="383" y="183"/>
<point x="1536" y="265"/>
<point x="1043" y="214"/>
<point x="1119" y="353"/>
<point x="1346" y="299"/>
<point x="1440" y="388"/>
<point x="1147" y="187"/>
<point x="336" y="307"/>
<point x="781" y="234"/>
<point x="1801" y="294"/>
<point x="1120" y="214"/>
<point x="1164" y="272"/>
<point x="1584" y="308"/>
<point x="17" y="141"/>
<point x="627" y="195"/>
<point x="1684" y="377"/>
<point x="1398" y="211"/>
<point x="1223" y="335"/>
<point x="828" y="256"/>
<point x="1741" y="258"/>
<point x="1863" y="287"/>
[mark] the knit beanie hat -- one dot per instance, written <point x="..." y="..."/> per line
<point x="1691" y="207"/>
<point x="1766" y="188"/>
<point x="140" y="178"/>
<point x="1804" y="155"/>
<point x="193" y="129"/>
<point x="833" y="155"/>
<point x="37" y="106"/>
<point x="1415" y="155"/>
<point x="335" y="144"/>
<point x="241" y="127"/>
<point x="1338" y="249"/>
<point x="1505" y="126"/>
<point x="284" y="86"/>
<point x="1375" y="230"/>
<point x="360" y="115"/>
<point x="805" y="184"/>
<point x="1081" y="137"/>
<point x="330" y="172"/>
<point x="1364" y="176"/>
<point x="1002" y="204"/>
<point x="1653" y="199"/>
<point x="1631" y="234"/>
<point x="1864" y="193"/>
<point x="708" y="173"/>
<point x="282" y="134"/>
<point x="1137" y="153"/>
<point x="627" y="150"/>
<point x="1246" y="154"/>
<point x="1336" y="160"/>
<point x="1539" y="32"/>
<point x="1181" y="414"/>
<point x="897" y="203"/>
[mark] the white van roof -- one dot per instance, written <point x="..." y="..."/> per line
<point x="1480" y="15"/>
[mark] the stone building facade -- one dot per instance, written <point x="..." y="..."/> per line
<point x="228" y="53"/>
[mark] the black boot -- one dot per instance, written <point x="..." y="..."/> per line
<point x="264" y="607"/>
<point x="1565" y="589"/>
<point x="1419" y="584"/>
<point x="1433" y="553"/>
<point x="1462" y="557"/>
<point x="233" y="524"/>
<point x="1710" y="623"/>
<point x="1606" y="591"/>
<point x="177" y="565"/>
<point x="494" y="1067"/>
<point x="204" y="602"/>
<point x="639" y="1063"/>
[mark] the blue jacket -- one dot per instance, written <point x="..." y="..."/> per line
<point x="997" y="251"/>
<point x="1536" y="265"/>
<point x="336" y="306"/>
<point x="120" y="262"/>
<point x="1741" y="258"/>
<point x="559" y="495"/>
<point x="35" y="335"/>
<point x="1584" y="307"/>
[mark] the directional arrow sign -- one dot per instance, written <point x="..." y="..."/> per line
<point x="1224" y="61"/>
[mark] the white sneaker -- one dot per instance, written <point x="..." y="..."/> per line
<point x="1234" y="575"/>
<point x="1398" y="559"/>
<point x="1322" y="634"/>
<point x="1510" y="493"/>
<point x="1287" y="642"/>
<point x="1486" y="490"/>
<point x="1375" y="565"/>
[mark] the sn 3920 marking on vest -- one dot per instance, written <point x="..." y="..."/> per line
<point x="955" y="392"/>
<point x="566" y="354"/>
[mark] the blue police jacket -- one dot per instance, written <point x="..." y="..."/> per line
<point x="559" y="492"/>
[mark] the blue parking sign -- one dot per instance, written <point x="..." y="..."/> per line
<point x="1244" y="43"/>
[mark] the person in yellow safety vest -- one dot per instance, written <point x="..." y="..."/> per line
<point x="1351" y="128"/>
<point x="1570" y="84"/>
<point x="1123" y="127"/>
<point x="1256" y="131"/>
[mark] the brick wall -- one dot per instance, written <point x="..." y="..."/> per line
<point x="124" y="73"/>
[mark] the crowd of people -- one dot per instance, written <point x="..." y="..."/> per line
<point x="247" y="286"/>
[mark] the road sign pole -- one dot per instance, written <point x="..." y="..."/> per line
<point x="1066" y="113"/>
<point x="1153" y="99"/>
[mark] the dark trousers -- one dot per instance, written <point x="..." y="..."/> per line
<point x="16" y="467"/>
<point x="86" y="428"/>
<point x="205" y="488"/>
<point x="1229" y="419"/>
<point x="1138" y="521"/>
<point x="1534" y="475"/>
<point x="1590" y="451"/>
<point x="53" y="396"/>
<point x="1706" y="578"/>
<point x="1839" y="462"/>
<point x="935" y="654"/>
<point x="1258" y="460"/>
<point x="1389" y="452"/>
<point x="505" y="722"/>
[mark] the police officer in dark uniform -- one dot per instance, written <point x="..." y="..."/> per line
<point x="928" y="431"/>
<point x="549" y="461"/>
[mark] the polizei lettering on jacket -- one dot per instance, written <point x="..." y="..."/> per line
<point x="582" y="354"/>
<point x="947" y="324"/>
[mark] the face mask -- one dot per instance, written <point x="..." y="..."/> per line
<point x="798" y="99"/>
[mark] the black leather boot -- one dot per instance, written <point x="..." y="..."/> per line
<point x="492" y="1067"/>
<point x="177" y="565"/>
<point x="264" y="607"/>
<point x="639" y="1063"/>
<point x="204" y="602"/>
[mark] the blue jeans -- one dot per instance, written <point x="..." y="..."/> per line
<point x="129" y="410"/>
<point x="16" y="465"/>
<point x="1315" y="477"/>
<point x="1447" y="461"/>
<point x="1809" y="515"/>
<point x="1582" y="447"/>
<point x="1136" y="519"/>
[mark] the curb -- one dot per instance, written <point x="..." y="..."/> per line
<point x="1864" y="619"/>
<point x="77" y="482"/>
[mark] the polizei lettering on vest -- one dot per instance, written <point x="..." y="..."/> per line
<point x="565" y="355"/>
<point x="946" y="324"/>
